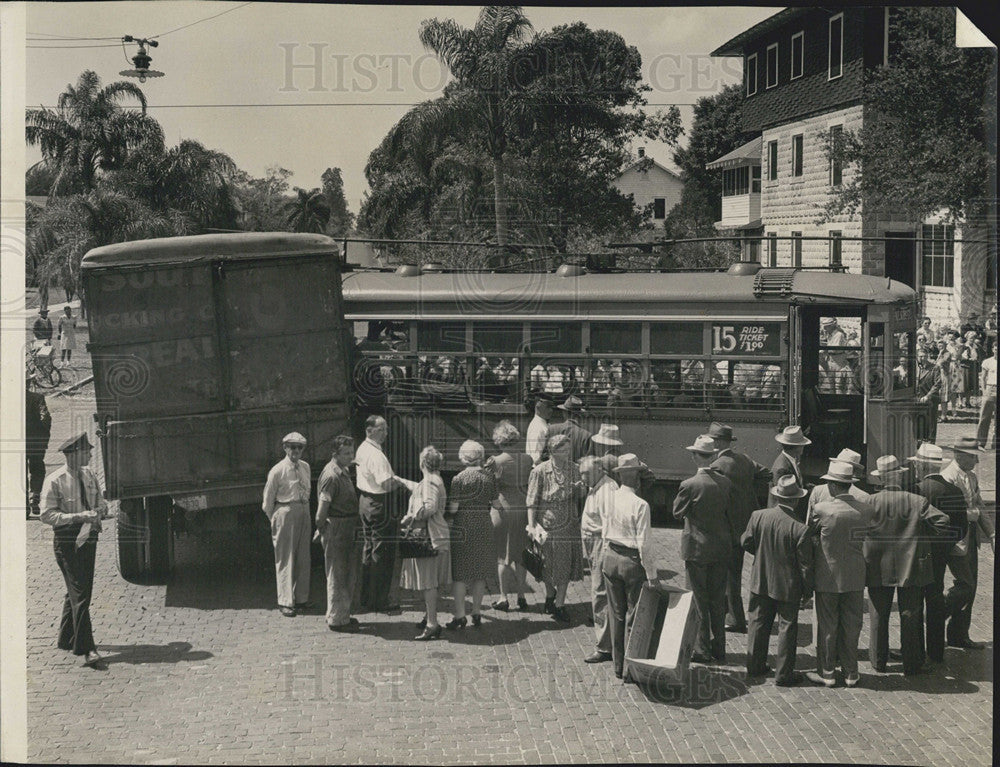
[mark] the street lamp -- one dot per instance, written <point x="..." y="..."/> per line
<point x="141" y="59"/>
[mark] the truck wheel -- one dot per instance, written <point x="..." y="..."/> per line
<point x="161" y="537"/>
<point x="131" y="539"/>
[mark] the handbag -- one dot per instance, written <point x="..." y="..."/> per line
<point x="415" y="543"/>
<point x="533" y="559"/>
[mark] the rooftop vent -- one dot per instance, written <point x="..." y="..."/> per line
<point x="744" y="268"/>
<point x="773" y="282"/>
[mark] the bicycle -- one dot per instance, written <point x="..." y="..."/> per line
<point x="41" y="368"/>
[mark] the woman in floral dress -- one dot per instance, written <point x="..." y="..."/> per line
<point x="510" y="514"/>
<point x="553" y="489"/>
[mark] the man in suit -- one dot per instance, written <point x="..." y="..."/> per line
<point x="579" y="438"/>
<point x="705" y="502"/>
<point x="750" y="481"/>
<point x="947" y="498"/>
<point x="928" y="392"/>
<point x="840" y="523"/>
<point x="780" y="581"/>
<point x="898" y="558"/>
<point x="793" y="443"/>
<point x="963" y="560"/>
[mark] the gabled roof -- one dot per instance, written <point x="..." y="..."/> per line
<point x="734" y="47"/>
<point x="649" y="160"/>
<point x="748" y="154"/>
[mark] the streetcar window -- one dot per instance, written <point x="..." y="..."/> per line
<point x="435" y="336"/>
<point x="557" y="378"/>
<point x="903" y="360"/>
<point x="746" y="385"/>
<point x="675" y="338"/>
<point x="876" y="353"/>
<point x="615" y="337"/>
<point x="562" y="337"/>
<point x="497" y="338"/>
<point x="839" y="355"/>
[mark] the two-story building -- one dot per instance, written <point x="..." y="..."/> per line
<point x="653" y="184"/>
<point x="803" y="76"/>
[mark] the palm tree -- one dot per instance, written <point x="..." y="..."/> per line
<point x="484" y="96"/>
<point x="89" y="131"/>
<point x="308" y="211"/>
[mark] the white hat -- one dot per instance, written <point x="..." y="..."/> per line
<point x="888" y="466"/>
<point x="629" y="461"/>
<point x="792" y="435"/>
<point x="840" y="471"/>
<point x="608" y="434"/>
<point x="293" y="439"/>
<point x="704" y="445"/>
<point x="928" y="452"/>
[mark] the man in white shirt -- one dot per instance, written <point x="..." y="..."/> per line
<point x="988" y="406"/>
<point x="286" y="504"/>
<point x="628" y="556"/>
<point x="964" y="558"/>
<point x="378" y="526"/>
<point x="73" y="504"/>
<point x="538" y="430"/>
<point x="599" y="501"/>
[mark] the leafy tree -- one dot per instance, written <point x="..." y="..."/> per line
<point x="261" y="200"/>
<point x="341" y="219"/>
<point x="927" y="143"/>
<point x="716" y="130"/>
<point x="308" y="211"/>
<point x="90" y="132"/>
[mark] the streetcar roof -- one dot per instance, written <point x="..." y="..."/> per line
<point x="680" y="287"/>
<point x="211" y="247"/>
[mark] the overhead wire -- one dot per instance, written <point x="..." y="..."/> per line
<point x="200" y="21"/>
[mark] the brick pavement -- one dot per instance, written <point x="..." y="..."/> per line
<point x="204" y="670"/>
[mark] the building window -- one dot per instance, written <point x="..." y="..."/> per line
<point x="659" y="207"/>
<point x="798" y="46"/>
<point x="753" y="250"/>
<point x="772" y="65"/>
<point x="796" y="249"/>
<point x="797" y="155"/>
<point x="772" y="249"/>
<point x="772" y="160"/>
<point x="836" y="49"/>
<point x="938" y="248"/>
<point x="836" y="147"/>
<point x="736" y="181"/>
<point x="836" y="252"/>
<point x="751" y="74"/>
<point x="755" y="179"/>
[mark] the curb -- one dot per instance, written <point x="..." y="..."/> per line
<point x="73" y="387"/>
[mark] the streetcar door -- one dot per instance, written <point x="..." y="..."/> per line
<point x="895" y="418"/>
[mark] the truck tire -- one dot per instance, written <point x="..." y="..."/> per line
<point x="145" y="539"/>
<point x="131" y="539"/>
<point x="161" y="538"/>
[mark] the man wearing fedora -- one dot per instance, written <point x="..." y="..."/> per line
<point x="628" y="555"/>
<point x="607" y="441"/>
<point x="600" y="499"/>
<point x="898" y="559"/>
<point x="705" y="502"/>
<point x="538" y="429"/>
<point x="750" y="482"/>
<point x="780" y="581"/>
<point x="579" y="438"/>
<point x="949" y="499"/>
<point x="72" y="502"/>
<point x="286" y="504"/>
<point x="839" y="523"/>
<point x="963" y="560"/>
<point x="822" y="492"/>
<point x="793" y="443"/>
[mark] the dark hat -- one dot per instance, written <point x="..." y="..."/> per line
<point x="43" y="311"/>
<point x="79" y="442"/>
<point x="721" y="431"/>
<point x="573" y="404"/>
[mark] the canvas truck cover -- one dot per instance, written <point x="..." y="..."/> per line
<point x="216" y="342"/>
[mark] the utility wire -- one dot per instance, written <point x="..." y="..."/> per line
<point x="207" y="18"/>
<point x="67" y="37"/>
<point x="73" y="47"/>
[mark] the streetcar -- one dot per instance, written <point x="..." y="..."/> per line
<point x="661" y="354"/>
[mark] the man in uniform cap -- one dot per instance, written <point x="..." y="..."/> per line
<point x="579" y="438"/>
<point x="964" y="558"/>
<point x="949" y="499"/>
<point x="781" y="580"/>
<point x="72" y="502"/>
<point x="749" y="480"/>
<point x="793" y="443"/>
<point x="286" y="504"/>
<point x="898" y="558"/>
<point x="839" y="523"/>
<point x="705" y="502"/>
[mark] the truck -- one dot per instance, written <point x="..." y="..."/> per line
<point x="206" y="351"/>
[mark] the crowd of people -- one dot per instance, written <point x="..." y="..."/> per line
<point x="561" y="497"/>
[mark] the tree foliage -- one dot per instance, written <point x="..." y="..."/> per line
<point x="341" y="219"/>
<point x="928" y="139"/>
<point x="308" y="211"/>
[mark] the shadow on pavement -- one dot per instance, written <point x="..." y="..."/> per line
<point x="705" y="686"/>
<point x="138" y="654"/>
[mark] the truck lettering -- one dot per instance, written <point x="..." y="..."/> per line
<point x="164" y="354"/>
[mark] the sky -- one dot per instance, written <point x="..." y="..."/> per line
<point x="311" y="86"/>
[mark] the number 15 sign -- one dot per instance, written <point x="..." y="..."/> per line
<point x="754" y="338"/>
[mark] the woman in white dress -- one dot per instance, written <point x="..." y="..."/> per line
<point x="67" y="334"/>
